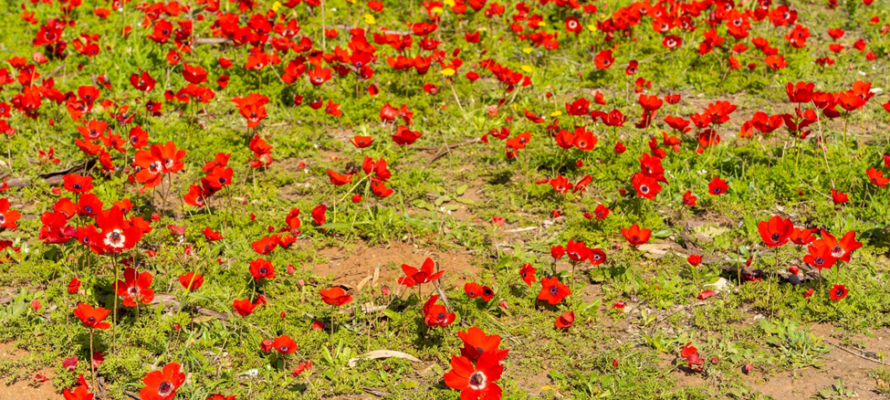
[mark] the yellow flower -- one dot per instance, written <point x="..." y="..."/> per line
<point x="527" y="50"/>
<point x="448" y="72"/>
<point x="526" y="68"/>
<point x="369" y="19"/>
<point x="276" y="6"/>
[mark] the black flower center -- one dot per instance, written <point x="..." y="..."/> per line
<point x="165" y="388"/>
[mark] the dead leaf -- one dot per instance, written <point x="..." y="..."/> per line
<point x="376" y="354"/>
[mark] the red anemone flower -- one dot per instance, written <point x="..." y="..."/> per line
<point x="552" y="291"/>
<point x="244" y="307"/>
<point x="135" y="288"/>
<point x="191" y="281"/>
<point x="528" y="274"/>
<point x="77" y="183"/>
<point x="776" y="232"/>
<point x="476" y="382"/>
<point x="877" y="177"/>
<point x="636" y="235"/>
<point x="717" y="186"/>
<point x="335" y="296"/>
<point x="436" y="314"/>
<point x="689" y="199"/>
<point x="92" y="317"/>
<point x="477" y="343"/>
<point x="162" y="385"/>
<point x="261" y="268"/>
<point x="472" y="290"/>
<point x="565" y="321"/>
<point x="425" y="274"/>
<point x="80" y="393"/>
<point x="819" y="255"/>
<point x="8" y="217"/>
<point x="838" y="292"/>
<point x="284" y="344"/>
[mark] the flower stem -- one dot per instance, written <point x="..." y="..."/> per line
<point x="92" y="366"/>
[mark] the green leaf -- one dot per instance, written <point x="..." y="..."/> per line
<point x="338" y="225"/>
<point x="442" y="199"/>
<point x="461" y="190"/>
<point x="422" y="204"/>
<point x="464" y="200"/>
<point x="663" y="233"/>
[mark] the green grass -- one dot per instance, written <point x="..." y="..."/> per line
<point x="765" y="176"/>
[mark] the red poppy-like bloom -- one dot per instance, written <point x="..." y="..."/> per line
<point x="338" y="179"/>
<point x="284" y="345"/>
<point x="424" y="275"/>
<point x="717" y="186"/>
<point x="476" y="382"/>
<point x="77" y="184"/>
<point x="73" y="286"/>
<point x="604" y="59"/>
<point x="565" y="321"/>
<point x="877" y="177"/>
<point x="80" y="393"/>
<point x="577" y="251"/>
<point x="705" y="294"/>
<point x="191" y="281"/>
<point x="92" y="317"/>
<point x="245" y="307"/>
<point x="776" y="232"/>
<point x="552" y="291"/>
<point x="335" y="296"/>
<point x="646" y="186"/>
<point x="472" y="290"/>
<point x="261" y="268"/>
<point x="694" y="259"/>
<point x="838" y="292"/>
<point x="115" y="233"/>
<point x="528" y="274"/>
<point x="221" y="397"/>
<point x="601" y="212"/>
<point x="162" y="385"/>
<point x="300" y="368"/>
<point x="689" y="199"/>
<point x="820" y="255"/>
<point x="211" y="234"/>
<point x="636" y="235"/>
<point x="405" y="136"/>
<point x="802" y="236"/>
<point x="8" y="217"/>
<point x="842" y="249"/>
<point x="436" y="314"/>
<point x="839" y="197"/>
<point x="361" y="142"/>
<point x="135" y="288"/>
<point x="477" y="343"/>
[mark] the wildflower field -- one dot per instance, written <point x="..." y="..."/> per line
<point x="456" y="199"/>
